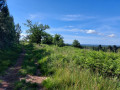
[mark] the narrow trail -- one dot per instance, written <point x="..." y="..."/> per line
<point x="11" y="75"/>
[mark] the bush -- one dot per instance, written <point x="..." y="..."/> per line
<point x="76" y="44"/>
<point x="61" y="43"/>
<point x="47" y="39"/>
<point x="58" y="40"/>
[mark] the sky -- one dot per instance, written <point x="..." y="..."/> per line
<point x="89" y="21"/>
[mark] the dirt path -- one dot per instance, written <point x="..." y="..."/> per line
<point x="11" y="75"/>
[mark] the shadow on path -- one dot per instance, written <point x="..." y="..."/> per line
<point x="11" y="75"/>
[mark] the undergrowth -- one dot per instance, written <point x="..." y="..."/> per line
<point x="8" y="57"/>
<point x="69" y="68"/>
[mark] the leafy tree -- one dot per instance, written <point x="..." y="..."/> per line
<point x="58" y="40"/>
<point x="61" y="43"/>
<point x="76" y="43"/>
<point x="36" y="31"/>
<point x="47" y="38"/>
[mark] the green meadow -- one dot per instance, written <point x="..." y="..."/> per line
<point x="69" y="68"/>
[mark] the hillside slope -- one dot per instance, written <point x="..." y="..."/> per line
<point x="70" y="68"/>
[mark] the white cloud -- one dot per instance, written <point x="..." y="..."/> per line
<point x="90" y="31"/>
<point x="76" y="17"/>
<point x="33" y="16"/>
<point x="77" y="31"/>
<point x="69" y="26"/>
<point x="111" y="35"/>
<point x="36" y="16"/>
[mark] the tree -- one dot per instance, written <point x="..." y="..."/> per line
<point x="115" y="48"/>
<point x="47" y="38"/>
<point x="18" y="32"/>
<point x="36" y="31"/>
<point x="58" y="40"/>
<point x="61" y="43"/>
<point x="76" y="43"/>
<point x="7" y="27"/>
<point x="99" y="47"/>
<point x="110" y="48"/>
<point x="2" y="4"/>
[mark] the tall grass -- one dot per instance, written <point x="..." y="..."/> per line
<point x="72" y="68"/>
<point x="67" y="79"/>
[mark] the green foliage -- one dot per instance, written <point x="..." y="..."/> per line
<point x="23" y="85"/>
<point x="76" y="79"/>
<point x="110" y="48"/>
<point x="47" y="39"/>
<point x="18" y="32"/>
<point x="58" y="40"/>
<point x="8" y="57"/>
<point x="76" y="44"/>
<point x="8" y="34"/>
<point x="2" y="4"/>
<point x="104" y="48"/>
<point x="36" y="31"/>
<point x="115" y="48"/>
<point x="61" y="43"/>
<point x="99" y="47"/>
<point x="32" y="55"/>
<point x="29" y="66"/>
<point x="71" y="68"/>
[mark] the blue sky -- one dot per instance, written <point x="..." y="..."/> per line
<point x="89" y="21"/>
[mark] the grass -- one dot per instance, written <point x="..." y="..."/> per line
<point x="23" y="85"/>
<point x="8" y="57"/>
<point x="72" y="68"/>
<point x="28" y="66"/>
<point x="67" y="79"/>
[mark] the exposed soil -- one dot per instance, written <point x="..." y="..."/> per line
<point x="35" y="79"/>
<point x="12" y="75"/>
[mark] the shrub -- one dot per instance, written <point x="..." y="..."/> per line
<point x="58" y="40"/>
<point x="76" y="44"/>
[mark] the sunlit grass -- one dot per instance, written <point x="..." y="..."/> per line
<point x="70" y="68"/>
<point x="67" y="79"/>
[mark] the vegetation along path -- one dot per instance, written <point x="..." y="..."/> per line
<point x="11" y="75"/>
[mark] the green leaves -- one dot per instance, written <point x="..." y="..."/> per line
<point x="36" y="31"/>
<point x="58" y="40"/>
<point x="8" y="34"/>
<point x="76" y="44"/>
<point x="71" y="68"/>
